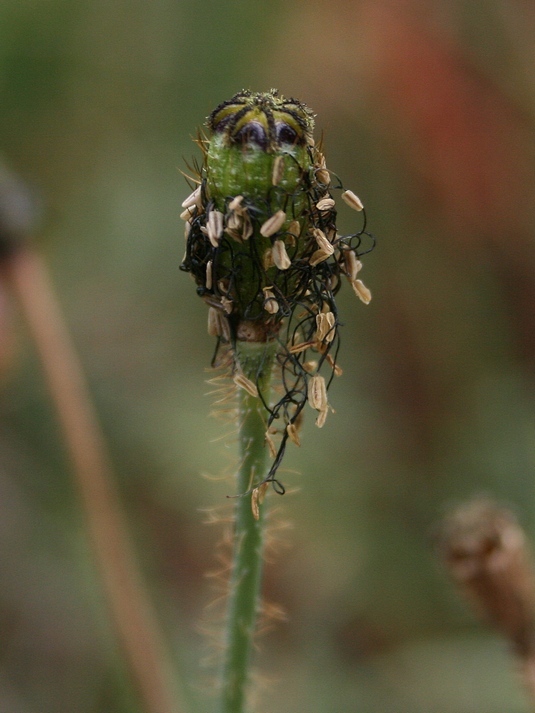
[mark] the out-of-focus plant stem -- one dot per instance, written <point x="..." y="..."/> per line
<point x="256" y="361"/>
<point x="126" y="596"/>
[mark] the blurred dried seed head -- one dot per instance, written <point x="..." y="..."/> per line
<point x="487" y="555"/>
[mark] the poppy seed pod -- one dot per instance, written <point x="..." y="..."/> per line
<point x="263" y="245"/>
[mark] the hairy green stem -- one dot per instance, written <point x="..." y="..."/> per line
<point x="256" y="362"/>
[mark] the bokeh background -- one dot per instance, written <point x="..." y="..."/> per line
<point x="428" y="113"/>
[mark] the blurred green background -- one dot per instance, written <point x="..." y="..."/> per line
<point x="427" y="110"/>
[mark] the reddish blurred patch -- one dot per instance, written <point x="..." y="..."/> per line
<point x="471" y="144"/>
<point x="470" y="141"/>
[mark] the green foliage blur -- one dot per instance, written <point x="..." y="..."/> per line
<point x="427" y="111"/>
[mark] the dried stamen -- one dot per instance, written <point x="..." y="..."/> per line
<point x="228" y="305"/>
<point x="352" y="200"/>
<point x="280" y="256"/>
<point x="273" y="224"/>
<point x="217" y="324"/>
<point x="270" y="301"/>
<point x="325" y="323"/>
<point x="271" y="445"/>
<point x="322" y="241"/>
<point x="325" y="204"/>
<point x="235" y="203"/>
<point x="362" y="292"/>
<point x="320" y="421"/>
<point x="319" y="256"/>
<point x="209" y="275"/>
<point x="317" y="393"/>
<point x="352" y="264"/>
<point x="214" y="227"/>
<point x="278" y="170"/>
<point x="244" y="383"/>
<point x="188" y="214"/>
<point x="193" y="199"/>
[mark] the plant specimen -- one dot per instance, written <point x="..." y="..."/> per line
<point x="263" y="248"/>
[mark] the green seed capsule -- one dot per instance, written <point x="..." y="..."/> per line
<point x="263" y="245"/>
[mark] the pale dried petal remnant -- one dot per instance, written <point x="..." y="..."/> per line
<point x="271" y="445"/>
<point x="352" y="264"/>
<point x="188" y="214"/>
<point x="319" y="256"/>
<point x="257" y="498"/>
<point x="301" y="347"/>
<point x="293" y="232"/>
<point x="235" y="203"/>
<point x="217" y="324"/>
<point x="317" y="393"/>
<point x="209" y="280"/>
<point x="293" y="435"/>
<point x="322" y="417"/>
<point x="273" y="224"/>
<point x="362" y="292"/>
<point x="322" y="241"/>
<point x="244" y="383"/>
<point x="193" y="199"/>
<point x="214" y="227"/>
<point x="270" y="301"/>
<point x="325" y="326"/>
<point x="228" y="305"/>
<point x="325" y="204"/>
<point x="352" y="200"/>
<point x="280" y="256"/>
